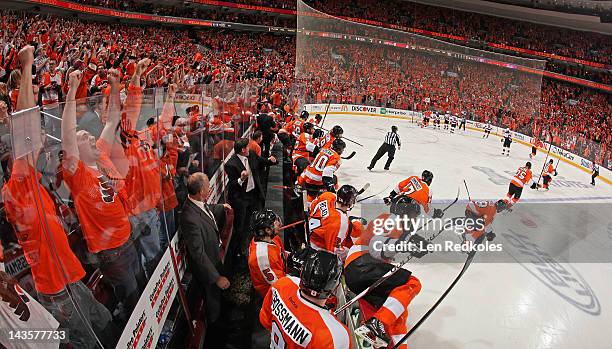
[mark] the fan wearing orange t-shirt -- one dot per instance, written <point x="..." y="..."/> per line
<point x="99" y="198"/>
<point x="55" y="268"/>
<point x="266" y="251"/>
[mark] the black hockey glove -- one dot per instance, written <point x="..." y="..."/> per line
<point x="296" y="259"/>
<point x="387" y="200"/>
<point x="490" y="236"/>
<point x="534" y="186"/>
<point x="556" y="173"/>
<point x="318" y="133"/>
<point x="315" y="152"/>
<point x="418" y="246"/>
<point x="438" y="213"/>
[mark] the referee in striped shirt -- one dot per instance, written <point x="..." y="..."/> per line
<point x="388" y="147"/>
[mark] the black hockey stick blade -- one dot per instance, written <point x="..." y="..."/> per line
<point x="373" y="195"/>
<point x="467" y="190"/>
<point x="363" y="189"/>
<point x="350" y="156"/>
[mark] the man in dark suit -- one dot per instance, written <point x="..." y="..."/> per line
<point x="199" y="230"/>
<point x="245" y="190"/>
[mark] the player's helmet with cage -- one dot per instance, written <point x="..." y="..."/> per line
<point x="304" y="115"/>
<point x="337" y="131"/>
<point x="501" y="205"/>
<point x="403" y="205"/>
<point x="338" y="145"/>
<point x="347" y="195"/>
<point x="262" y="220"/>
<point x="321" y="274"/>
<point x="308" y="127"/>
<point x="427" y="177"/>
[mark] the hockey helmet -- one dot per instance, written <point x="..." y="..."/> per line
<point x="403" y="205"/>
<point x="551" y="161"/>
<point x="347" y="195"/>
<point x="528" y="164"/>
<point x="337" y="131"/>
<point x="321" y="274"/>
<point x="261" y="220"/>
<point x="427" y="177"/>
<point x="318" y="117"/>
<point x="338" y="145"/>
<point x="295" y="261"/>
<point x="304" y="115"/>
<point x="308" y="126"/>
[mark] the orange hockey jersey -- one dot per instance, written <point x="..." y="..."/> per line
<point x="486" y="211"/>
<point x="523" y="177"/>
<point x="328" y="225"/>
<point x="266" y="263"/>
<point x="324" y="165"/>
<point x="303" y="147"/>
<point x="415" y="188"/>
<point x="297" y="323"/>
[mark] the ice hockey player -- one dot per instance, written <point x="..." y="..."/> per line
<point x="549" y="171"/>
<point x="507" y="140"/>
<point x="266" y="252"/>
<point x="446" y="119"/>
<point x="485" y="211"/>
<point x="487" y="129"/>
<point x="319" y="175"/>
<point x="436" y="120"/>
<point x="594" y="173"/>
<point x="426" y="117"/>
<point x="329" y="224"/>
<point x="523" y="177"/>
<point x="365" y="265"/>
<point x="296" y="126"/>
<point x="535" y="143"/>
<point x="418" y="189"/>
<point x="305" y="149"/>
<point x="453" y="122"/>
<point x="327" y="140"/>
<point x="294" y="309"/>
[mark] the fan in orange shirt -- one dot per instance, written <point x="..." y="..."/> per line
<point x="266" y="251"/>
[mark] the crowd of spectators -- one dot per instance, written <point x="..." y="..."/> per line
<point x="97" y="85"/>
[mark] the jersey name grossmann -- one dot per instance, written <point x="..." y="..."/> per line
<point x="288" y="322"/>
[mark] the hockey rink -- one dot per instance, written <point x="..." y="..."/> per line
<point x="528" y="297"/>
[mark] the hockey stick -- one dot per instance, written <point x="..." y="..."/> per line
<point x="545" y="160"/>
<point x="373" y="195"/>
<point x="348" y="139"/>
<point x="467" y="263"/>
<point x="350" y="156"/>
<point x="467" y="190"/>
<point x="395" y="268"/>
<point x="326" y="110"/>
<point x="363" y="189"/>
<point x="306" y="215"/>
<point x="291" y="225"/>
<point x="557" y="165"/>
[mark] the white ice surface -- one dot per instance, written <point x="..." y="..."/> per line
<point x="495" y="305"/>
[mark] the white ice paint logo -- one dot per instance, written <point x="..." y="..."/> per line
<point x="298" y="333"/>
<point x="564" y="280"/>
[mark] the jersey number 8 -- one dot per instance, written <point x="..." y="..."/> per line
<point x="277" y="341"/>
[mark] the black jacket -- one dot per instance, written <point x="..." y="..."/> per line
<point x="234" y="167"/>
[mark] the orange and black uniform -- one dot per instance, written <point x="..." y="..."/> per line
<point x="523" y="177"/>
<point x="365" y="265"/>
<point x="548" y="173"/>
<point x="266" y="263"/>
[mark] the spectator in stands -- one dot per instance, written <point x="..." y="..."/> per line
<point x="255" y="141"/>
<point x="56" y="270"/>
